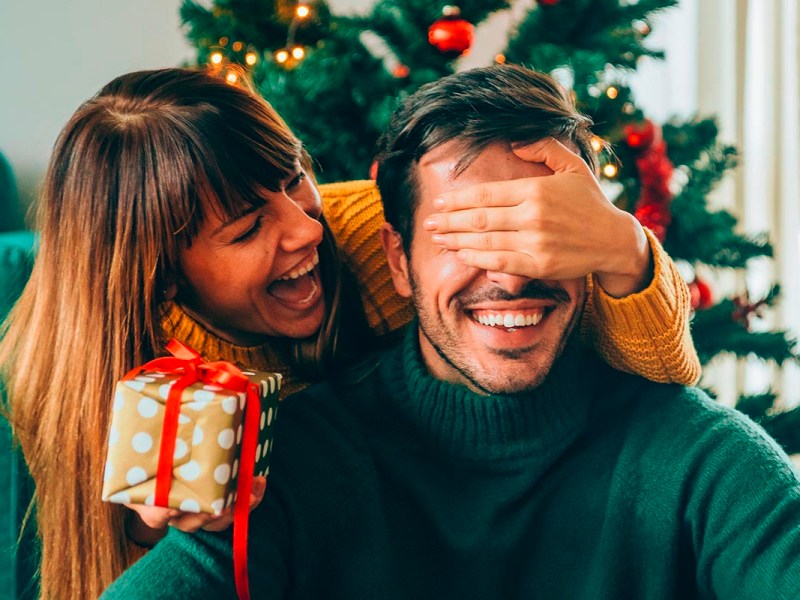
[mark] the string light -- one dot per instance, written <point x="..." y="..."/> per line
<point x="223" y="41"/>
<point x="251" y="58"/>
<point x="231" y="77"/>
<point x="216" y="58"/>
<point x="302" y="11"/>
<point x="597" y="143"/>
<point x="298" y="52"/>
<point x="237" y="46"/>
<point x="500" y="59"/>
<point x="610" y="170"/>
<point x="281" y="56"/>
<point x="612" y="92"/>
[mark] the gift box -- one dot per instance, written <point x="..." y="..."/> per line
<point x="208" y="427"/>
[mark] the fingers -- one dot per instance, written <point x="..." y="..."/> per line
<point x="493" y="240"/>
<point x="155" y="517"/>
<point x="492" y="194"/>
<point x="258" y="490"/>
<point x="475" y="219"/>
<point x="554" y="154"/>
<point x="503" y="261"/>
<point x="191" y="522"/>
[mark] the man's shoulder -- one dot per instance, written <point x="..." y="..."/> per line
<point x="683" y="418"/>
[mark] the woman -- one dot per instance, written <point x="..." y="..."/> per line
<point x="177" y="205"/>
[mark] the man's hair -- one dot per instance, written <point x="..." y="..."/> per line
<point x="475" y="108"/>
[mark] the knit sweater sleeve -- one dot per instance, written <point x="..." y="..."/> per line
<point x="354" y="213"/>
<point x="646" y="333"/>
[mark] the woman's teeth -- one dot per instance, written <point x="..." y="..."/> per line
<point x="309" y="266"/>
<point x="509" y="320"/>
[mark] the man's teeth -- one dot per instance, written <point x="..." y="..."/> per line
<point x="309" y="266"/>
<point x="509" y="320"/>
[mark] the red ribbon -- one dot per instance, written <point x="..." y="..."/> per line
<point x="189" y="364"/>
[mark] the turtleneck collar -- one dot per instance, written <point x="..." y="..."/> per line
<point x="471" y="425"/>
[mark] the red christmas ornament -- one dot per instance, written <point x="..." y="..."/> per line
<point x="548" y="2"/>
<point x="401" y="72"/>
<point x="642" y="135"/>
<point x="700" y="294"/>
<point x="451" y="34"/>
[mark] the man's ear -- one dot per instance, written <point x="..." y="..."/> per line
<point x="392" y="243"/>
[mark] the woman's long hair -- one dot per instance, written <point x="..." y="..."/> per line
<point x="121" y="195"/>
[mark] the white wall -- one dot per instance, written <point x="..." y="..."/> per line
<point x="54" y="54"/>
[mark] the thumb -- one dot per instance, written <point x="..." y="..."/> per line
<point x="554" y="154"/>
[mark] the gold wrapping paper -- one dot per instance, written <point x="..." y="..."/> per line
<point x="206" y="457"/>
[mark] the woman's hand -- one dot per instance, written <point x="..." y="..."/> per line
<point x="147" y="524"/>
<point x="554" y="227"/>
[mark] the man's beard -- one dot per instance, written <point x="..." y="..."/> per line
<point x="446" y="343"/>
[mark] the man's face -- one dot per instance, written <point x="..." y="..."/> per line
<point x="494" y="332"/>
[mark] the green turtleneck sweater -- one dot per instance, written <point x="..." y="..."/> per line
<point x="598" y="485"/>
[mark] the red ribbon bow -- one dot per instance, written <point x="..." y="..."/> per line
<point x="189" y="364"/>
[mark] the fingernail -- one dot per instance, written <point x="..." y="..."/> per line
<point x="438" y="239"/>
<point x="430" y="224"/>
<point x="438" y="203"/>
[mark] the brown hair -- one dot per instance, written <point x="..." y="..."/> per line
<point x="475" y="108"/>
<point x="121" y="195"/>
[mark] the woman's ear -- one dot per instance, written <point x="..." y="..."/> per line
<point x="392" y="243"/>
<point x="169" y="288"/>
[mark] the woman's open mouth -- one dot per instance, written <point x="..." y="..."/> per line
<point x="299" y="287"/>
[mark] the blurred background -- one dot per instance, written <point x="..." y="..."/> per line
<point x="735" y="60"/>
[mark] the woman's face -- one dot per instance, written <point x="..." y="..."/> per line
<point x="257" y="275"/>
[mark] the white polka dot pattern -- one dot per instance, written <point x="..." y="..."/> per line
<point x="190" y="505"/>
<point x="222" y="474"/>
<point x="148" y="408"/>
<point x="190" y="471"/>
<point x="135" y="476"/>
<point x="142" y="442"/>
<point x="206" y="456"/>
<point x="229" y="405"/>
<point x="181" y="448"/>
<point x="225" y="439"/>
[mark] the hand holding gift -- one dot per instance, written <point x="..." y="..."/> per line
<point x="190" y="436"/>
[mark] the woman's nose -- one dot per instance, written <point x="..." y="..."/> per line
<point x="300" y="229"/>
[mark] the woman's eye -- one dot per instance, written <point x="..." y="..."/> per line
<point x="298" y="179"/>
<point x="250" y="232"/>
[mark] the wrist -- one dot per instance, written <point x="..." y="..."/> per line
<point x="632" y="271"/>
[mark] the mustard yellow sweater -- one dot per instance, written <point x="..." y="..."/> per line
<point x="645" y="333"/>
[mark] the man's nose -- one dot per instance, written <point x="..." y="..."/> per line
<point x="513" y="284"/>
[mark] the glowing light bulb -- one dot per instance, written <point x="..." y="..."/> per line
<point x="500" y="59"/>
<point x="232" y="77"/>
<point x="251" y="58"/>
<point x="597" y="143"/>
<point x="298" y="52"/>
<point x="216" y="58"/>
<point x="612" y="92"/>
<point x="237" y="46"/>
<point x="281" y="56"/>
<point x="302" y="11"/>
<point x="223" y="41"/>
<point x="610" y="170"/>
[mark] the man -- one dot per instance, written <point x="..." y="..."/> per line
<point x="489" y="455"/>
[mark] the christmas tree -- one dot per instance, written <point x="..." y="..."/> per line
<point x="337" y="78"/>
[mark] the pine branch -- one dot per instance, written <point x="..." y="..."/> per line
<point x="715" y="330"/>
